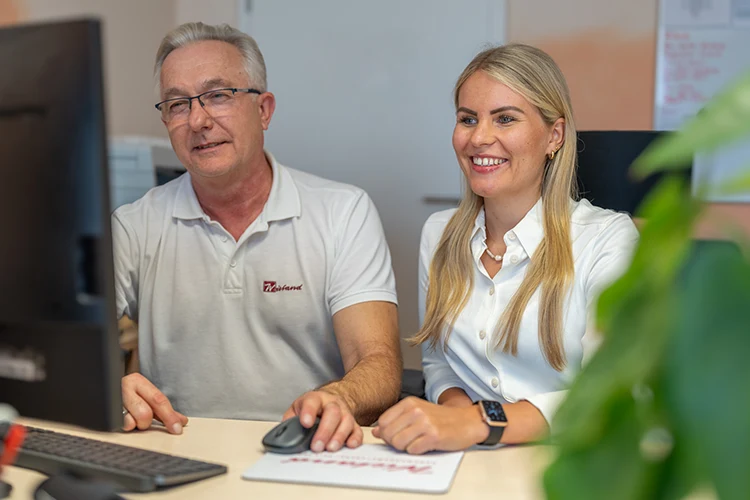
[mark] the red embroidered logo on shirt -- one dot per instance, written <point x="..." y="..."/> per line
<point x="272" y="287"/>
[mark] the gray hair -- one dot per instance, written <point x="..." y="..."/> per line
<point x="188" y="33"/>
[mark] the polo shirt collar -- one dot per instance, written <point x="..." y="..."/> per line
<point x="186" y="204"/>
<point x="529" y="230"/>
<point x="283" y="200"/>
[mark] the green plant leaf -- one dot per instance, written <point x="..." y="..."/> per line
<point x="634" y="314"/>
<point x="637" y="313"/>
<point x="681" y="473"/>
<point x="683" y="348"/>
<point x="611" y="469"/>
<point x="707" y="369"/>
<point x="725" y="118"/>
<point x="627" y="357"/>
<point x="677" y="476"/>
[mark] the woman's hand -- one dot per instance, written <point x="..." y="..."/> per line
<point x="417" y="426"/>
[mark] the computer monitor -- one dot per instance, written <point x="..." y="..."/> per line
<point x="59" y="353"/>
<point x="604" y="159"/>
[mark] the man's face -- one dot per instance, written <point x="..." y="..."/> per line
<point x="209" y="143"/>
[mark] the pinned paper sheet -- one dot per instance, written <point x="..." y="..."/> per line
<point x="376" y="466"/>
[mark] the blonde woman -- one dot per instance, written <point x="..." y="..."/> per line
<point x="508" y="280"/>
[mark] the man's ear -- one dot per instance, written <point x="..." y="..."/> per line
<point x="266" y="107"/>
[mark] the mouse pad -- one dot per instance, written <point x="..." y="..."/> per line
<point x="376" y="466"/>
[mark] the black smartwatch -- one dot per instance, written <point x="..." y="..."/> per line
<point x="494" y="416"/>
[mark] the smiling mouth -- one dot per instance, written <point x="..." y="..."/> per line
<point x="209" y="145"/>
<point x="487" y="161"/>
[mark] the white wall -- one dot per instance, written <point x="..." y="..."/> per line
<point x="132" y="32"/>
<point x="207" y="11"/>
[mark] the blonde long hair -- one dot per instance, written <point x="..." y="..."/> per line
<point x="534" y="75"/>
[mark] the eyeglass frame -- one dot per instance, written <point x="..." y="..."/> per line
<point x="234" y="90"/>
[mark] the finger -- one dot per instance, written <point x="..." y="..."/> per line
<point x="183" y="419"/>
<point x="329" y="422"/>
<point x="309" y="407"/>
<point x="421" y="445"/>
<point x="394" y="412"/>
<point x="356" y="438"/>
<point x="288" y="414"/>
<point x="160" y="406"/>
<point x="404" y="438"/>
<point x="128" y="422"/>
<point x="343" y="431"/>
<point x="403" y="421"/>
<point x="139" y="410"/>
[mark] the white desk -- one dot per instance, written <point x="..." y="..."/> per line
<point x="513" y="472"/>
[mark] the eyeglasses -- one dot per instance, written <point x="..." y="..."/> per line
<point x="216" y="102"/>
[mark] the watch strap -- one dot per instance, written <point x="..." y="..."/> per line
<point x="496" y="432"/>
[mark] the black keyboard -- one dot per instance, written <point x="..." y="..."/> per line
<point x="131" y="469"/>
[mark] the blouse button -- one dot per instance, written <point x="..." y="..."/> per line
<point x="492" y="291"/>
<point x="482" y="334"/>
<point x="512" y="236"/>
<point x="495" y="382"/>
<point x="514" y="259"/>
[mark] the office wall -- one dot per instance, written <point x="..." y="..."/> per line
<point x="9" y="12"/>
<point x="607" y="51"/>
<point x="132" y="32"/>
<point x="210" y="12"/>
<point x="605" y="48"/>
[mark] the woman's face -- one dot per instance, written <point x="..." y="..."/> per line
<point x="501" y="140"/>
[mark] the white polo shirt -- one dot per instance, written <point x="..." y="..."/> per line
<point x="241" y="329"/>
<point x="603" y="243"/>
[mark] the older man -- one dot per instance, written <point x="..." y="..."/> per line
<point x="260" y="291"/>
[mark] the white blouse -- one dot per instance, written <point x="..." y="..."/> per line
<point x="603" y="243"/>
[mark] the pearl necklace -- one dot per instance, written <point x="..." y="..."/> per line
<point x="497" y="258"/>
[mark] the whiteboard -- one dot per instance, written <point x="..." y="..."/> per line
<point x="703" y="45"/>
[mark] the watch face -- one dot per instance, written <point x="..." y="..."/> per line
<point x="494" y="411"/>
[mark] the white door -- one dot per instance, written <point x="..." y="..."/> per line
<point x="364" y="96"/>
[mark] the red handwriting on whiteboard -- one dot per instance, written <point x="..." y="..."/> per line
<point x="676" y="35"/>
<point x="684" y="93"/>
<point x="704" y="72"/>
<point x="358" y="464"/>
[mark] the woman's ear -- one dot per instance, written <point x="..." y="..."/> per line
<point x="557" y="135"/>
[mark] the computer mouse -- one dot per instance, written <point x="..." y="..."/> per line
<point x="66" y="487"/>
<point x="289" y="437"/>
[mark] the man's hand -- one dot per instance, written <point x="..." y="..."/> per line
<point x="144" y="402"/>
<point x="417" y="426"/>
<point x="337" y="424"/>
